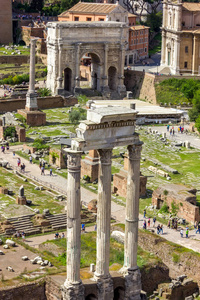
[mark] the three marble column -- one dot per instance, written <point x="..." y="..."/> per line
<point x="73" y="288"/>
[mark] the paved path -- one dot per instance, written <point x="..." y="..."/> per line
<point x="118" y="211"/>
<point x="180" y="137"/>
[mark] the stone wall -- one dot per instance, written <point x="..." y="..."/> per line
<point x="182" y="198"/>
<point x="56" y="158"/>
<point x="141" y="84"/>
<point x="189" y="262"/>
<point x="43" y="103"/>
<point x="30" y="291"/>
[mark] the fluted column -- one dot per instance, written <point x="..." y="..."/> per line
<point x="31" y="96"/>
<point x="60" y="79"/>
<point x="105" y="87"/>
<point x="102" y="276"/>
<point x="77" y="66"/>
<point x="195" y="56"/>
<point x="131" y="271"/>
<point x="73" y="288"/>
<point x="163" y="50"/>
<point x="121" y="87"/>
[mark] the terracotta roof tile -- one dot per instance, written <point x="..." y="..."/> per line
<point x="131" y="15"/>
<point x="191" y="6"/>
<point x="98" y="8"/>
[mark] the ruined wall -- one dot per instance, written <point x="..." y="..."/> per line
<point x="188" y="262"/>
<point x="30" y="291"/>
<point x="186" y="210"/>
<point x="141" y="84"/>
<point x="43" y="103"/>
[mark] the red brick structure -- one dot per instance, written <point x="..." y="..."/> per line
<point x="30" y="148"/>
<point x="56" y="157"/>
<point x="21" y="200"/>
<point x="120" y="181"/>
<point x="90" y="165"/>
<point x="33" y="118"/>
<point x="3" y="190"/>
<point x="180" y="195"/>
<point x="6" y="22"/>
<point x="20" y="132"/>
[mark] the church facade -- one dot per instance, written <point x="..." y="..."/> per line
<point x="181" y="37"/>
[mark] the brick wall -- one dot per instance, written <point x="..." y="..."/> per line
<point x="6" y="22"/>
<point x="43" y="103"/>
<point x="56" y="158"/>
<point x="141" y="84"/>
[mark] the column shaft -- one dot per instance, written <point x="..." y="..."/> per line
<point x="132" y="207"/>
<point x="195" y="56"/>
<point x="60" y="67"/>
<point x="73" y="288"/>
<point x="102" y="276"/>
<point x="32" y="67"/>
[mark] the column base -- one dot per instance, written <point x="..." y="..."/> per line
<point x="31" y="101"/>
<point x="73" y="291"/>
<point x="132" y="283"/>
<point x="105" y="289"/>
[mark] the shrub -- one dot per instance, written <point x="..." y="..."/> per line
<point x="76" y="115"/>
<point x="164" y="208"/>
<point x="9" y="131"/>
<point x="44" y="92"/>
<point x="39" y="144"/>
<point x="175" y="258"/>
<point x="174" y="207"/>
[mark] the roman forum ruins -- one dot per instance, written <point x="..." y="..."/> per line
<point x="104" y="129"/>
<point x="105" y="42"/>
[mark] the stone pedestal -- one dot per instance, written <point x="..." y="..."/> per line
<point x="21" y="200"/>
<point x="33" y="118"/>
<point x="132" y="284"/>
<point x="102" y="276"/>
<point x="73" y="288"/>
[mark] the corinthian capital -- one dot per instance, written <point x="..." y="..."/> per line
<point x="105" y="156"/>
<point x="73" y="159"/>
<point x="134" y="152"/>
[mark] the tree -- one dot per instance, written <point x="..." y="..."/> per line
<point x="37" y="5"/>
<point x="197" y="123"/>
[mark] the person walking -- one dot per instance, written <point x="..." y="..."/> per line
<point x="198" y="228"/>
<point x="42" y="170"/>
<point x="181" y="233"/>
<point x="187" y="232"/>
<point x="51" y="172"/>
<point x="30" y="159"/>
<point x="149" y="221"/>
<point x="154" y="221"/>
<point x="144" y="212"/>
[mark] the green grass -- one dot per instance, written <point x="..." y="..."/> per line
<point x="22" y="50"/>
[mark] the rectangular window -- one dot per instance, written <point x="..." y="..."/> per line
<point x="185" y="64"/>
<point x="145" y="50"/>
<point x="186" y="49"/>
<point x="89" y="19"/>
<point x="100" y="19"/>
<point x="76" y="18"/>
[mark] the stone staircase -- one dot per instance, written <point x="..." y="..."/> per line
<point x="24" y="223"/>
<point x="58" y="221"/>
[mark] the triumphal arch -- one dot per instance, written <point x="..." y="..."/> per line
<point x="104" y="129"/>
<point x="68" y="42"/>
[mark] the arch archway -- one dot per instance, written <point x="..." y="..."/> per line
<point x="119" y="293"/>
<point x="68" y="79"/>
<point x="90" y="71"/>
<point x="112" y="78"/>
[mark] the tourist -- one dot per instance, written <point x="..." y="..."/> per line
<point x="42" y="171"/>
<point x="144" y="213"/>
<point x="154" y="221"/>
<point x="144" y="225"/>
<point x="181" y="232"/>
<point x="30" y="159"/>
<point x="95" y="227"/>
<point x="170" y="132"/>
<point x="7" y="146"/>
<point x="23" y="168"/>
<point x="23" y="236"/>
<point x="149" y="221"/>
<point x="161" y="228"/>
<point x="18" y="161"/>
<point x="63" y="235"/>
<point x="18" y="234"/>
<point x="198" y="228"/>
<point x="83" y="227"/>
<point x="168" y="127"/>
<point x="158" y="229"/>
<point x="51" y="172"/>
<point x="187" y="232"/>
<point x="169" y="224"/>
<point x="13" y="154"/>
<point x="40" y="165"/>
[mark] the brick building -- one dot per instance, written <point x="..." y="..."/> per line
<point x="137" y="37"/>
<point x="138" y="44"/>
<point x="6" y="22"/>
